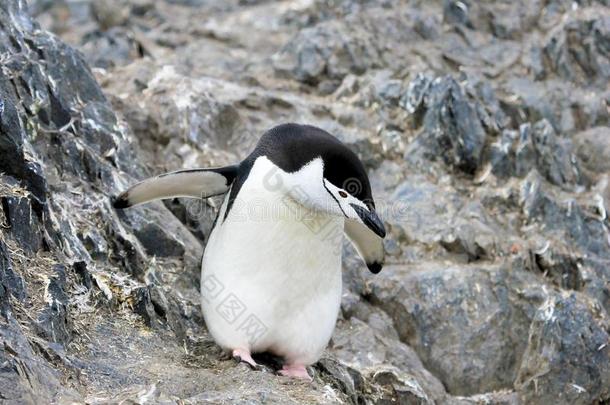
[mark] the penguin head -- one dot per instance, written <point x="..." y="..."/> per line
<point x="321" y="173"/>
<point x="336" y="185"/>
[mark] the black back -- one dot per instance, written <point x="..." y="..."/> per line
<point x="291" y="146"/>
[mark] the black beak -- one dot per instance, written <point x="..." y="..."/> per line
<point x="370" y="219"/>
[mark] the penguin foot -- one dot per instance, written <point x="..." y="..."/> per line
<point x="295" y="371"/>
<point x="244" y="356"/>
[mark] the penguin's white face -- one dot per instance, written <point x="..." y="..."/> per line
<point x="310" y="188"/>
<point x="344" y="200"/>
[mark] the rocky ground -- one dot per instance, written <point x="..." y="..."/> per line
<point x="484" y="126"/>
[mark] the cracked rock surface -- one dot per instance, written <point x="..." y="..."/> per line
<point x="484" y="128"/>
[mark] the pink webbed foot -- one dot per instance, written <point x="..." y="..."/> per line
<point x="243" y="356"/>
<point x="295" y="371"/>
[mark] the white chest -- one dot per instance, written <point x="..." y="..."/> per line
<point x="271" y="273"/>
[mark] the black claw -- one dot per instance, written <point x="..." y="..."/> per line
<point x="239" y="360"/>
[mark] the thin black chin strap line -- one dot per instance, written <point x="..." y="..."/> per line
<point x="334" y="198"/>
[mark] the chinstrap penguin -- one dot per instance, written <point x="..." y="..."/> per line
<point x="271" y="270"/>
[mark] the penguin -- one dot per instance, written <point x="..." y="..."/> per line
<point x="271" y="270"/>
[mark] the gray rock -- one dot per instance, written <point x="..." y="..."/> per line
<point x="55" y="117"/>
<point x="473" y="233"/>
<point x="387" y="90"/>
<point x="413" y="98"/>
<point x="11" y="284"/>
<point x="467" y="324"/>
<point x="595" y="274"/>
<point x="460" y="12"/>
<point x="593" y="148"/>
<point x="109" y="13"/>
<point x="567" y="108"/>
<point x="422" y="209"/>
<point x="451" y="123"/>
<point x="567" y="359"/>
<point x="23" y="222"/>
<point x="38" y="382"/>
<point x="55" y="323"/>
<point x="329" y="50"/>
<point x="197" y="215"/>
<point x="578" y="50"/>
<point x="569" y="221"/>
<point x="355" y="44"/>
<point x="348" y="379"/>
<point x="159" y="234"/>
<point x="556" y="263"/>
<point x="115" y="47"/>
<point x="536" y="146"/>
<point x="503" y="397"/>
<point x="551" y="156"/>
<point x="144" y="306"/>
<point x="399" y="387"/>
<point x="363" y="347"/>
<point x="180" y="107"/>
<point x="571" y="242"/>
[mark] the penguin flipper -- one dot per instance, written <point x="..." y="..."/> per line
<point x="368" y="244"/>
<point x="198" y="183"/>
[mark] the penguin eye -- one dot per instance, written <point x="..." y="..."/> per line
<point x="342" y="193"/>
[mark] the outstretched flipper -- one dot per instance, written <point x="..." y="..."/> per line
<point x="368" y="244"/>
<point x="198" y="183"/>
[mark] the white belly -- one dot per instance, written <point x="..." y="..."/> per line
<point x="269" y="281"/>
